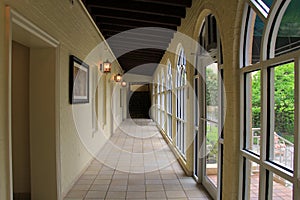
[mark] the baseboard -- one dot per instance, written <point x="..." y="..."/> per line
<point x="176" y="153"/>
<point x="64" y="193"/>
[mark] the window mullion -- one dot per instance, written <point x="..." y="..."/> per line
<point x="296" y="189"/>
<point x="260" y="9"/>
<point x="271" y="29"/>
<point x="271" y="114"/>
<point x="263" y="182"/>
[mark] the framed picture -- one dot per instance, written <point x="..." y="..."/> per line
<point x="79" y="81"/>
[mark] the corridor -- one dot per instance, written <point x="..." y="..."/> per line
<point x="136" y="163"/>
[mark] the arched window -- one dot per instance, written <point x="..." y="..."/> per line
<point x="162" y="99"/>
<point x="181" y="102"/>
<point x="169" y="87"/>
<point x="158" y="87"/>
<point x="208" y="108"/>
<point x="270" y="55"/>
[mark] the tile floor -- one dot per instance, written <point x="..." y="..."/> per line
<point x="136" y="163"/>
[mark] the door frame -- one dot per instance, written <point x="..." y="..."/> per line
<point x="14" y="19"/>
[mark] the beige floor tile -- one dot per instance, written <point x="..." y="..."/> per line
<point x="96" y="194"/>
<point x="119" y="182"/>
<point x="76" y="194"/>
<point x="102" y="181"/>
<point x="195" y="194"/>
<point x="156" y="194"/>
<point x="85" y="181"/>
<point x="127" y="172"/>
<point x="118" y="188"/>
<point x="135" y="195"/>
<point x="81" y="187"/>
<point x="99" y="187"/>
<point x="136" y="188"/>
<point x="172" y="187"/>
<point x="175" y="194"/>
<point x="116" y="195"/>
<point x="155" y="187"/>
<point x="154" y="181"/>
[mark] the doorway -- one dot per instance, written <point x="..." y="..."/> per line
<point x="33" y="111"/>
<point x="20" y="122"/>
<point x="139" y="102"/>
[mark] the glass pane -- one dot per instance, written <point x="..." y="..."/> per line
<point x="282" y="189"/>
<point x="169" y="103"/>
<point x="257" y="35"/>
<point x="170" y="126"/>
<point x="288" y="38"/>
<point x="268" y="2"/>
<point x="252" y="101"/>
<point x="212" y="92"/>
<point x="196" y="105"/>
<point x="163" y="120"/>
<point x="212" y="152"/>
<point x="252" y="180"/>
<point x="196" y="149"/>
<point x="282" y="116"/>
<point x="162" y="101"/>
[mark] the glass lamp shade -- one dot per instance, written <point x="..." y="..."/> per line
<point x="118" y="78"/>
<point x="106" y="67"/>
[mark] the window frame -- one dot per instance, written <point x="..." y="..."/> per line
<point x="268" y="60"/>
<point x="169" y="97"/>
<point x="180" y="91"/>
<point x="199" y="74"/>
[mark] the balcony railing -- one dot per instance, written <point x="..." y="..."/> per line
<point x="283" y="152"/>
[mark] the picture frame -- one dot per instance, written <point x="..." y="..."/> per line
<point x="79" y="81"/>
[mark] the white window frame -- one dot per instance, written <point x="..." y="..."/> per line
<point x="180" y="90"/>
<point x="169" y="94"/>
<point x="163" y="100"/>
<point x="216" y="56"/>
<point x="267" y="61"/>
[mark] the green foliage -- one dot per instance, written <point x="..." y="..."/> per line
<point x="256" y="107"/>
<point x="283" y="100"/>
<point x="212" y="137"/>
<point x="211" y="87"/>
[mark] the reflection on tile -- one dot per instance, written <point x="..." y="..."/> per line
<point x="136" y="163"/>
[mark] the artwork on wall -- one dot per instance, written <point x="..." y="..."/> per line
<point x="79" y="81"/>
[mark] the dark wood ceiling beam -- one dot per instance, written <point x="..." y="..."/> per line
<point x="180" y="3"/>
<point x="138" y="59"/>
<point x="131" y="63"/>
<point x="125" y="48"/>
<point x="145" y="55"/>
<point x="133" y="24"/>
<point x="109" y="25"/>
<point x="142" y="51"/>
<point x="133" y="31"/>
<point x="138" y="40"/>
<point x="138" y="17"/>
<point x="151" y="33"/>
<point x="137" y="53"/>
<point x="122" y="50"/>
<point x="132" y="47"/>
<point x="168" y="36"/>
<point x="141" y="38"/>
<point x="138" y="7"/>
<point x="128" y="65"/>
<point x="145" y="59"/>
<point x="141" y="29"/>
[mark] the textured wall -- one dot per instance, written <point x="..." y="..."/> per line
<point x="69" y="25"/>
<point x="228" y="14"/>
